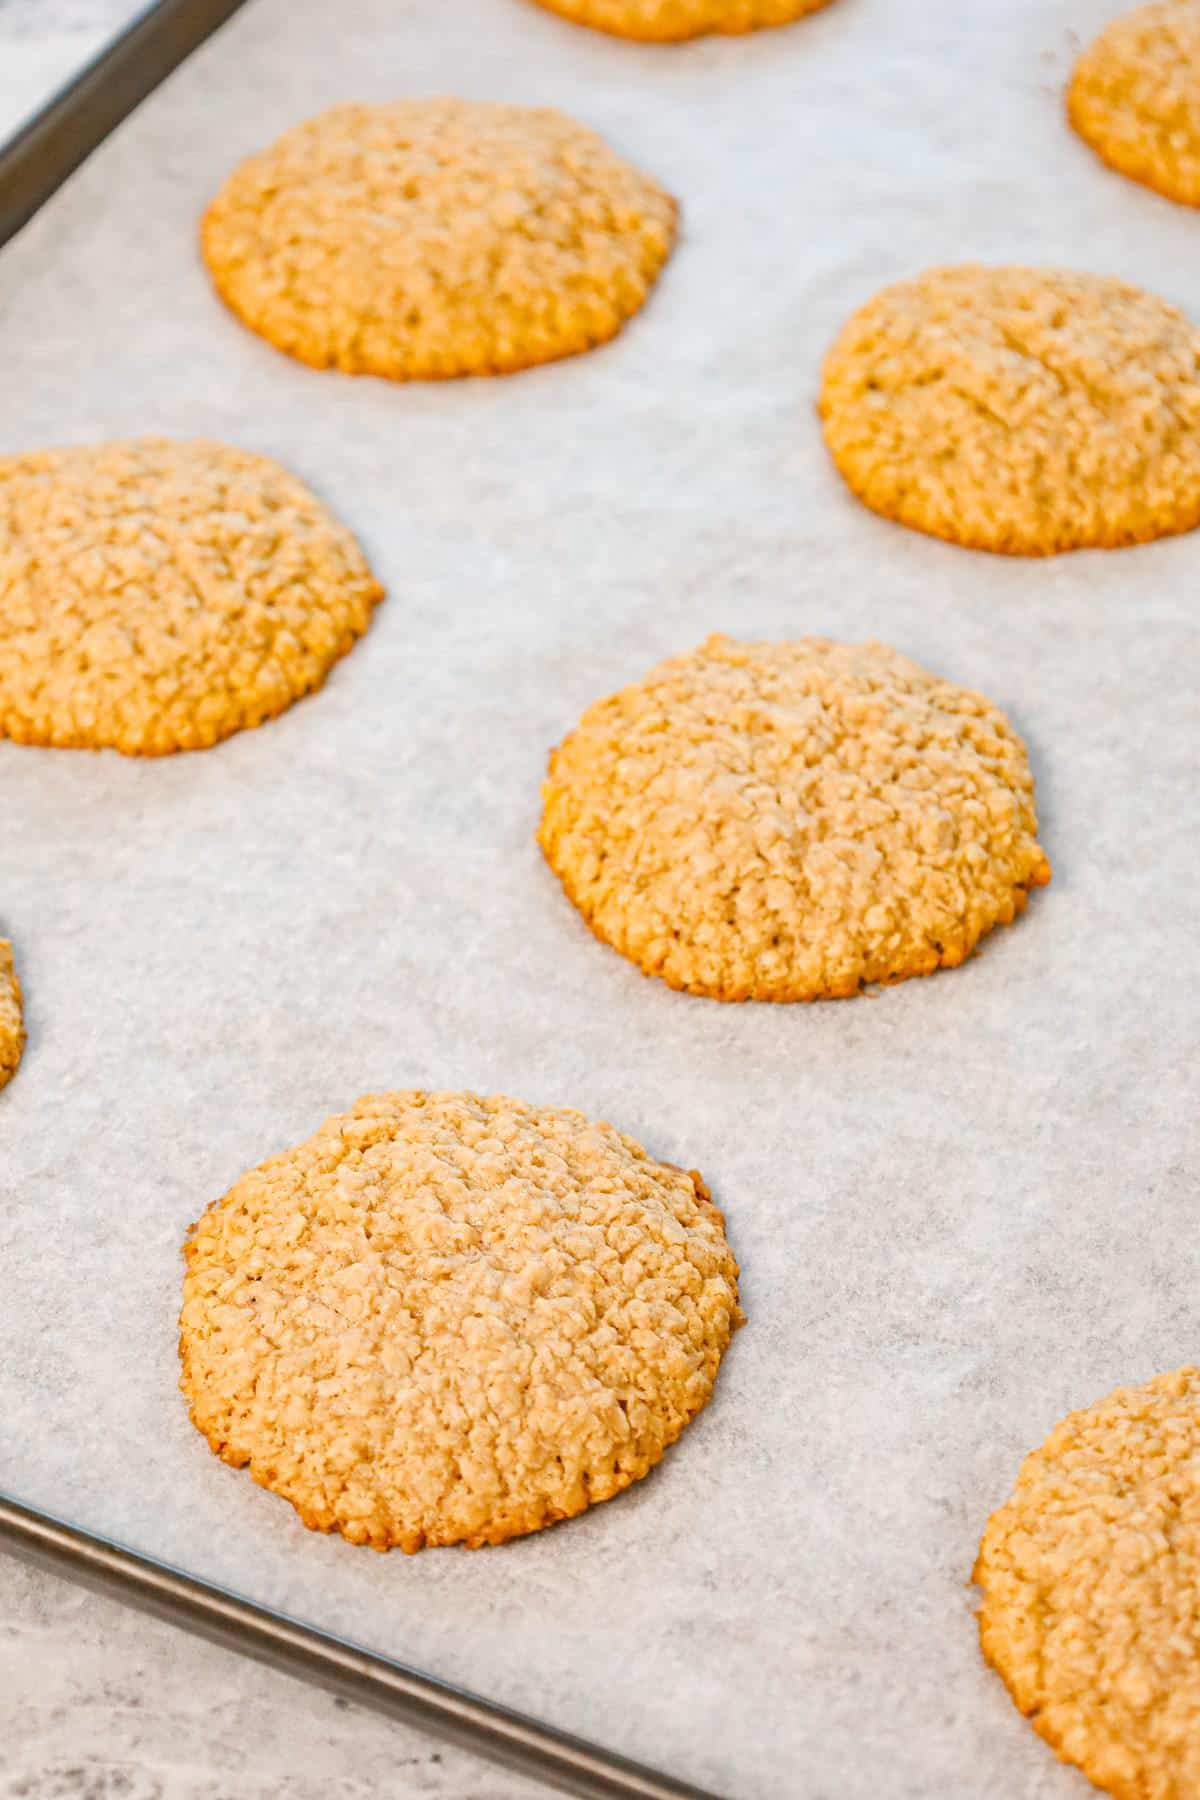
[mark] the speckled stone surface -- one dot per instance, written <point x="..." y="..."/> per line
<point x="43" y="43"/>
<point x="97" y="1702"/>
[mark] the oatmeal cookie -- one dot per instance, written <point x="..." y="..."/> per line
<point x="1090" y="1574"/>
<point x="1019" y="410"/>
<point x="447" y="1319"/>
<point x="789" y="821"/>
<point x="669" y="21"/>
<point x="159" y="595"/>
<point x="1135" y="97"/>
<point x="432" y="238"/>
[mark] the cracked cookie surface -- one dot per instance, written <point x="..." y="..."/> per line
<point x="449" y="1319"/>
<point x="436" y="238"/>
<point x="1091" y="1589"/>
<point x="12" y="1028"/>
<point x="158" y="595"/>
<point x="665" y="21"/>
<point x="1135" y="97"/>
<point x="789" y="821"/>
<point x="1019" y="410"/>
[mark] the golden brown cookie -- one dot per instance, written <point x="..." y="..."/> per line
<point x="12" y="1028"/>
<point x="450" y="1319"/>
<point x="1019" y="410"/>
<point x="790" y="821"/>
<point x="1091" y="1589"/>
<point x="1135" y="97"/>
<point x="159" y="595"/>
<point x="663" y="21"/>
<point x="434" y="238"/>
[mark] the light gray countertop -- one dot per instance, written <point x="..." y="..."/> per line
<point x="97" y="1702"/>
<point x="43" y="43"/>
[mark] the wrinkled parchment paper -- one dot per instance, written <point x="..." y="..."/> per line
<point x="962" y="1207"/>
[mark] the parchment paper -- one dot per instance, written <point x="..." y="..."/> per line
<point x="962" y="1207"/>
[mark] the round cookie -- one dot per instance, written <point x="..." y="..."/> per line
<point x="12" y="1028"/>
<point x="663" y="21"/>
<point x="790" y="821"/>
<point x="1135" y="97"/>
<point x="449" y="1319"/>
<point x="159" y="595"/>
<point x="1019" y="410"/>
<point x="433" y="238"/>
<point x="1091" y="1589"/>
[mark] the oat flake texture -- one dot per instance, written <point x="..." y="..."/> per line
<point x="158" y="595"/>
<point x="672" y="20"/>
<point x="1091" y="1589"/>
<point x="1020" y="410"/>
<point x="450" y="1319"/>
<point x="1135" y="97"/>
<point x="433" y="238"/>
<point x="12" y="1029"/>
<point x="788" y="821"/>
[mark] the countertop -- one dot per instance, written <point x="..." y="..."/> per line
<point x="97" y="1702"/>
<point x="42" y="44"/>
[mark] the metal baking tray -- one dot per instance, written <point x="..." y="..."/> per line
<point x="959" y="1205"/>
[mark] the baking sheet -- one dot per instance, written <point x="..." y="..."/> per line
<point x="962" y="1206"/>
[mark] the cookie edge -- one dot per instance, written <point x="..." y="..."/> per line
<point x="687" y="36"/>
<point x="8" y="971"/>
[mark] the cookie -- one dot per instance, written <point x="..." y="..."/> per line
<point x="1135" y="97"/>
<point x="446" y="1319"/>
<point x="12" y="1028"/>
<point x="1091" y="1589"/>
<point x="434" y="238"/>
<point x="159" y="595"/>
<point x="663" y="21"/>
<point x="1019" y="410"/>
<point x="790" y="821"/>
